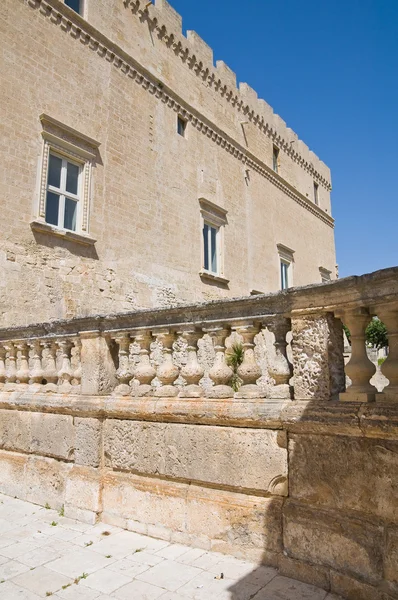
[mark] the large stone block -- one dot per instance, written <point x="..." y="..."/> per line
<point x="13" y="474"/>
<point x="346" y="473"/>
<point x="333" y="539"/>
<point x="88" y="442"/>
<point x="391" y="559"/>
<point x="352" y="589"/>
<point x="53" y="435"/>
<point x="253" y="459"/>
<point x="46" y="481"/>
<point x="15" y="430"/>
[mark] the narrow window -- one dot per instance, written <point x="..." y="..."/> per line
<point x="75" y="5"/>
<point x="275" y="159"/>
<point x="181" y="126"/>
<point x="284" y="274"/>
<point x="316" y="196"/>
<point x="63" y="193"/>
<point x="210" y="248"/>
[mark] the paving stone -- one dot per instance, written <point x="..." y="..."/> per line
<point x="10" y="591"/>
<point x="284" y="588"/>
<point x="77" y="562"/>
<point x="145" y="558"/>
<point x="173" y="551"/>
<point x="41" y="581"/>
<point x="77" y="592"/>
<point x="188" y="557"/>
<point x="105" y="581"/>
<point x="128" y="568"/>
<point x="169" y="575"/>
<point x="38" y="557"/>
<point x="139" y="590"/>
<point x="126" y="542"/>
<point x="11" y="569"/>
<point x="18" y="549"/>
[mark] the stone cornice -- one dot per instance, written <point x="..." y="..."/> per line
<point x="179" y="45"/>
<point x="73" y="24"/>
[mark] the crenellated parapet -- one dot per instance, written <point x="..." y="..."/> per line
<point x="166" y="23"/>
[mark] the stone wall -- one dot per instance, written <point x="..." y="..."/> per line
<point x="113" y="79"/>
<point x="310" y="487"/>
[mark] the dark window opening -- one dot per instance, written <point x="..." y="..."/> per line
<point x="181" y="126"/>
<point x="75" y="5"/>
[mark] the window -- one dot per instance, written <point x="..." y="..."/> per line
<point x="325" y="274"/>
<point x="214" y="219"/>
<point x="316" y="195"/>
<point x="275" y="159"/>
<point x="284" y="275"/>
<point x="63" y="192"/>
<point x="181" y="126"/>
<point x="210" y="248"/>
<point x="286" y="261"/>
<point x="75" y="5"/>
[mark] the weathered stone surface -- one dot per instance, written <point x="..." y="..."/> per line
<point x="391" y="558"/>
<point x="15" y="430"/>
<point x="342" y="542"/>
<point x="53" y="435"/>
<point x="302" y="571"/>
<point x="241" y="458"/>
<point x="88" y="441"/>
<point x="12" y="474"/>
<point x="46" y="480"/>
<point x="346" y="473"/>
<point x="352" y="589"/>
<point x="83" y="489"/>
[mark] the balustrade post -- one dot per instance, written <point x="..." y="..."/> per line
<point x="65" y="373"/>
<point x="23" y="371"/>
<point x="167" y="372"/>
<point x="77" y="373"/>
<point x="220" y="373"/>
<point x="191" y="371"/>
<point x="144" y="371"/>
<point x="11" y="371"/>
<point x="3" y="354"/>
<point x="389" y="368"/>
<point x="36" y="373"/>
<point x="359" y="368"/>
<point x="318" y="358"/>
<point x="123" y="373"/>
<point x="50" y="374"/>
<point x="279" y="367"/>
<point x="249" y="371"/>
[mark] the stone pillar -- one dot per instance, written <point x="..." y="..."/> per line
<point x="11" y="371"/>
<point x="123" y="373"/>
<point x="50" y="374"/>
<point x="77" y="373"/>
<point x="98" y="366"/>
<point x="220" y="373"/>
<point x="279" y="367"/>
<point x="23" y="371"/>
<point x="192" y="371"/>
<point x="167" y="372"/>
<point x="249" y="371"/>
<point x="318" y="361"/>
<point x="3" y="354"/>
<point x="144" y="371"/>
<point x="359" y="368"/>
<point x="65" y="373"/>
<point x="36" y="373"/>
<point x="389" y="368"/>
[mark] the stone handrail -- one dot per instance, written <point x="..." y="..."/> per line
<point x="292" y="342"/>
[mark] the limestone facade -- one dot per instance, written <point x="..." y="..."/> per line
<point x="110" y="92"/>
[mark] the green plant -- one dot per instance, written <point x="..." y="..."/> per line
<point x="108" y="556"/>
<point x="49" y="593"/>
<point x="234" y="358"/>
<point x="82" y="576"/>
<point x="376" y="333"/>
<point x="90" y="543"/>
<point x="62" y="511"/>
<point x="65" y="587"/>
<point x="381" y="361"/>
<point x="47" y="506"/>
<point x="54" y="524"/>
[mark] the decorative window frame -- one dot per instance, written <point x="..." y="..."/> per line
<point x="215" y="216"/>
<point x="79" y="148"/>
<point x="325" y="274"/>
<point x="286" y="255"/>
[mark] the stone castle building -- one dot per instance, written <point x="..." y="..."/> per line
<point x="135" y="173"/>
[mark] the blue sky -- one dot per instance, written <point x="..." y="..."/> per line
<point x="330" y="69"/>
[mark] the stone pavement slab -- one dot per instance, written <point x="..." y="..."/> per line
<point x="44" y="554"/>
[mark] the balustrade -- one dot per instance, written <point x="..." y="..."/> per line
<point x="108" y="358"/>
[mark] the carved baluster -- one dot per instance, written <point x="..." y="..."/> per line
<point x="220" y="373"/>
<point x="36" y="373"/>
<point x="359" y="369"/>
<point x="389" y="368"/>
<point x="279" y="367"/>
<point x="249" y="371"/>
<point x="65" y="373"/>
<point x="23" y="371"/>
<point x="3" y="354"/>
<point x="144" y="371"/>
<point x="50" y="374"/>
<point x="191" y="371"/>
<point x="77" y="373"/>
<point x="123" y="373"/>
<point x="167" y="372"/>
<point x="11" y="371"/>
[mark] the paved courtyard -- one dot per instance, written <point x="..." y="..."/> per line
<point x="43" y="554"/>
